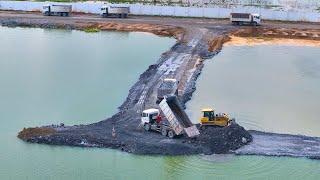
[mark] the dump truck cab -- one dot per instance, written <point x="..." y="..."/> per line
<point x="210" y="118"/>
<point x="149" y="115"/>
<point x="149" y="122"/>
<point x="256" y="18"/>
<point x="46" y="8"/>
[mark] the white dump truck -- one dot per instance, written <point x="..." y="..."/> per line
<point x="149" y="121"/>
<point x="178" y="123"/>
<point x="167" y="87"/>
<point x="115" y="11"/>
<point x="56" y="10"/>
<point x="245" y="18"/>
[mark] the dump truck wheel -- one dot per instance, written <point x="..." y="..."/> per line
<point x="146" y="126"/>
<point x="171" y="134"/>
<point x="164" y="132"/>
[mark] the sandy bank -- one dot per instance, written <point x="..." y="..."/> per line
<point x="253" y="41"/>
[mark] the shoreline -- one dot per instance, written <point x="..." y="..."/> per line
<point x="254" y="41"/>
<point x="195" y="43"/>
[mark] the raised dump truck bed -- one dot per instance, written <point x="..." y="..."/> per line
<point x="177" y="117"/>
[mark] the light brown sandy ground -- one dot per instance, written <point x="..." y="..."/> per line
<point x="240" y="41"/>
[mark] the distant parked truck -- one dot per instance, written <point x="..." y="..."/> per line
<point x="57" y="10"/>
<point x="245" y="18"/>
<point x="115" y="11"/>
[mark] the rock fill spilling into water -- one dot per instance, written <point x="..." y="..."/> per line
<point x="272" y="144"/>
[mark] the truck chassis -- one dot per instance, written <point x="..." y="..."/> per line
<point x="56" y="14"/>
<point x="164" y="129"/>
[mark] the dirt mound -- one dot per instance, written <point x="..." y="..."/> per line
<point x="217" y="43"/>
<point x="222" y="140"/>
<point x="162" y="30"/>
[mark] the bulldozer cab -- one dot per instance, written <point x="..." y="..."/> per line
<point x="149" y="115"/>
<point x="208" y="114"/>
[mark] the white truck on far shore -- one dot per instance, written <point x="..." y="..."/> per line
<point x="245" y="18"/>
<point x="115" y="11"/>
<point x="56" y="10"/>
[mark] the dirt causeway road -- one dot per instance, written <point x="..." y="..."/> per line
<point x="197" y="40"/>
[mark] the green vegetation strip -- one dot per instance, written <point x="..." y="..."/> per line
<point x="28" y="133"/>
<point x="91" y="30"/>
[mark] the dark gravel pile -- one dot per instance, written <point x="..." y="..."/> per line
<point x="222" y="140"/>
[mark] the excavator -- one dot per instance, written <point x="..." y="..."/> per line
<point x="209" y="118"/>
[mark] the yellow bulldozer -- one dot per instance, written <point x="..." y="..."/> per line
<point x="209" y="118"/>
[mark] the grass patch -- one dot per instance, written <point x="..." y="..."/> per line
<point x="91" y="30"/>
<point x="28" y="133"/>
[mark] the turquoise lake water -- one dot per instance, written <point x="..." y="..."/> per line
<point x="270" y="88"/>
<point x="53" y="76"/>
